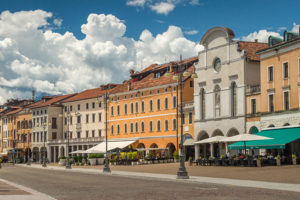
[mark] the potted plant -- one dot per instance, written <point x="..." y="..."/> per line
<point x="93" y="159"/>
<point x="278" y="160"/>
<point x="134" y="158"/>
<point x="100" y="158"/>
<point x="176" y="156"/>
<point x="294" y="157"/>
<point x="258" y="161"/>
<point x="62" y="161"/>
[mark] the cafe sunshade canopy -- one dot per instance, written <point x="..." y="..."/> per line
<point x="101" y="148"/>
<point x="280" y="137"/>
<point x="215" y="139"/>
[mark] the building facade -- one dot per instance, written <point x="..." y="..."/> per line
<point x="226" y="68"/>
<point x="145" y="108"/>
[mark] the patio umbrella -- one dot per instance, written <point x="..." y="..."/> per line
<point x="215" y="139"/>
<point x="78" y="151"/>
<point x="244" y="138"/>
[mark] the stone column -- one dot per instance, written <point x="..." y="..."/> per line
<point x="211" y="149"/>
<point x="54" y="152"/>
<point x="197" y="151"/>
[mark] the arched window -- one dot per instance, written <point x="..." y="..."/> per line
<point x="112" y="129"/>
<point x="143" y="107"/>
<point x="150" y="126"/>
<point x="136" y="107"/>
<point x="150" y="105"/>
<point x="158" y="125"/>
<point x="118" y="129"/>
<point x="131" y="127"/>
<point x="233" y="98"/>
<point x="174" y="100"/>
<point x="217" y="102"/>
<point x="166" y="125"/>
<point x="174" y="124"/>
<point x="142" y="127"/>
<point x="202" y="102"/>
<point x="118" y="110"/>
<point x="158" y="104"/>
<point x="125" y="109"/>
<point x="125" y="128"/>
<point x="112" y="111"/>
<point x="166" y="103"/>
<point x="131" y="108"/>
<point x="136" y="127"/>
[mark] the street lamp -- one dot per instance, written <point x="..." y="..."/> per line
<point x="182" y="173"/>
<point x="28" y="149"/>
<point x="68" y="115"/>
<point x="106" y="168"/>
<point x="44" y="149"/>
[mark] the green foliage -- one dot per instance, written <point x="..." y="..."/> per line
<point x="134" y="155"/>
<point x="92" y="155"/>
<point x="123" y="155"/>
<point x="0" y="160"/>
<point x="278" y="156"/>
<point x="62" y="157"/>
<point x="293" y="156"/>
<point x="258" y="157"/>
<point x="129" y="155"/>
<point x="176" y="155"/>
<point x="190" y="158"/>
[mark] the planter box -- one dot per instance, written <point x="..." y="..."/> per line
<point x="258" y="163"/>
<point x="93" y="161"/>
<point x="100" y="161"/>
<point x="62" y="162"/>
<point x="278" y="163"/>
<point x="294" y="161"/>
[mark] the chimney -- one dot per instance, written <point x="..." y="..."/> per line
<point x="255" y="40"/>
<point x="131" y="72"/>
<point x="171" y="67"/>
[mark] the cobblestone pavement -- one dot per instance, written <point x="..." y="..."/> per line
<point x="68" y="185"/>
<point x="280" y="174"/>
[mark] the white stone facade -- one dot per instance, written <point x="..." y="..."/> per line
<point x="226" y="118"/>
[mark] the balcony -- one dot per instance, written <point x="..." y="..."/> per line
<point x="188" y="106"/>
<point x="252" y="90"/>
<point x="79" y="140"/>
<point x="78" y="126"/>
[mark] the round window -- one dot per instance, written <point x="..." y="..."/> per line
<point x="217" y="64"/>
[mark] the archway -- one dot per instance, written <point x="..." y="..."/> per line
<point x="218" y="148"/>
<point x="230" y="133"/>
<point x="153" y="152"/>
<point x="171" y="148"/>
<point x="36" y="154"/>
<point x="204" y="149"/>
<point x="286" y="124"/>
<point x="271" y="126"/>
<point x="141" y="145"/>
<point x="253" y="130"/>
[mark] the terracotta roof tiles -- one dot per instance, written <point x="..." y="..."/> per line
<point x="86" y="94"/>
<point x="251" y="48"/>
<point x="51" y="101"/>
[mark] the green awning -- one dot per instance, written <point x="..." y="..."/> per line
<point x="282" y="136"/>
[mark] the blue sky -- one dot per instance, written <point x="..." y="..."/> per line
<point x="242" y="16"/>
<point x="66" y="46"/>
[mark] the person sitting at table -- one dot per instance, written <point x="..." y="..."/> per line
<point x="242" y="156"/>
<point x="228" y="154"/>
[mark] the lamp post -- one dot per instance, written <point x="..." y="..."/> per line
<point x="44" y="149"/>
<point x="68" y="115"/>
<point x="28" y="149"/>
<point x="106" y="168"/>
<point x="182" y="72"/>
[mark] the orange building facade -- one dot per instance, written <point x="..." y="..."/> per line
<point x="145" y="108"/>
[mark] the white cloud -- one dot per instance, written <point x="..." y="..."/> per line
<point x="139" y="3"/>
<point x="163" y="7"/>
<point x="192" y="32"/>
<point x="261" y="36"/>
<point x="194" y="2"/>
<point x="57" y="22"/>
<point x="295" y="27"/>
<point x="57" y="63"/>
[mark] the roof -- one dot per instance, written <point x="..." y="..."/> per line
<point x="86" y="94"/>
<point x="148" y="77"/>
<point x="52" y="101"/>
<point x="14" y="110"/>
<point x="227" y="31"/>
<point x="277" y="45"/>
<point x="251" y="48"/>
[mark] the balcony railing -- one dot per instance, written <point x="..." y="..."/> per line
<point x="79" y="140"/>
<point x="253" y="89"/>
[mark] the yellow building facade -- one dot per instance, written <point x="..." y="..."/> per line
<point x="145" y="108"/>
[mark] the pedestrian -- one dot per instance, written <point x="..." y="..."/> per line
<point x="228" y="154"/>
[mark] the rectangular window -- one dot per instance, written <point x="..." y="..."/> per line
<point x="71" y="108"/>
<point x="87" y="118"/>
<point x="78" y="119"/>
<point x="93" y="105"/>
<point x="143" y="106"/>
<point x="54" y="125"/>
<point x="78" y="134"/>
<point x="125" y="109"/>
<point x="183" y="119"/>
<point x="71" y="121"/>
<point x="54" y="135"/>
<point x="270" y="74"/>
<point x="286" y="100"/>
<point x="285" y="70"/>
<point x="78" y="107"/>
<point x="253" y="106"/>
<point x="190" y="117"/>
<point x="71" y="134"/>
<point x="100" y="117"/>
<point x="93" y="133"/>
<point x="271" y="102"/>
<point x="93" y="118"/>
<point x="87" y="106"/>
<point x="125" y="128"/>
<point x="99" y="132"/>
<point x="65" y="121"/>
<point x="191" y="84"/>
<point x="86" y="134"/>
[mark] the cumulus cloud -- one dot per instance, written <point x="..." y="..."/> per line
<point x="163" y="7"/>
<point x="139" y="3"/>
<point x="192" y="32"/>
<point x="261" y="36"/>
<point x="33" y="55"/>
<point x="295" y="27"/>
